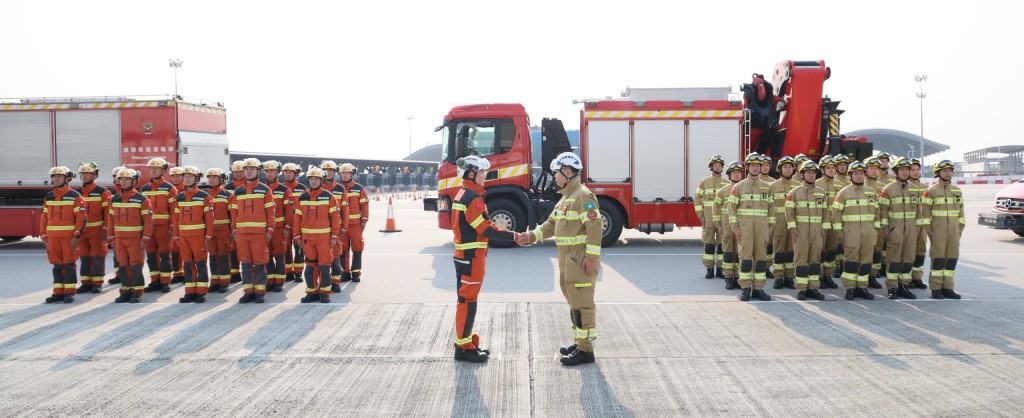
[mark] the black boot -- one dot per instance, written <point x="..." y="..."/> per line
<point x="260" y="298"/>
<point x="298" y="278"/>
<point x="222" y="289"/>
<point x="85" y="288"/>
<point x="937" y="294"/>
<point x="731" y="284"/>
<point x="760" y="295"/>
<point x="779" y="283"/>
<point x="134" y="298"/>
<point x="472" y="356"/>
<point x="814" y="293"/>
<point x="849" y="294"/>
<point x="903" y="291"/>
<point x="357" y="277"/>
<point x="248" y="297"/>
<point x="828" y="283"/>
<point x="214" y="288"/>
<point x="346" y="276"/>
<point x="863" y="294"/>
<point x="123" y="297"/>
<point x="950" y="294"/>
<point x="277" y="288"/>
<point x="325" y="298"/>
<point x="235" y="278"/>
<point x="55" y="298"/>
<point x="189" y="298"/>
<point x="918" y="283"/>
<point x="801" y="295"/>
<point x="769" y="274"/>
<point x="873" y="283"/>
<point x="719" y="273"/>
<point x="892" y="293"/>
<point x="745" y="296"/>
<point x="789" y="282"/>
<point x="565" y="351"/>
<point x="70" y="298"/>
<point x="96" y="288"/>
<point x="114" y="280"/>
<point x="200" y="298"/>
<point x="710" y="274"/>
<point x="883" y="272"/>
<point x="166" y="288"/>
<point x="336" y="288"/>
<point x="152" y="287"/>
<point x="310" y="297"/>
<point x="578" y="357"/>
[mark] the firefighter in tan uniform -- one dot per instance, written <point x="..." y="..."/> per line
<point x="897" y="206"/>
<point x="842" y="180"/>
<point x="828" y="185"/>
<point x="877" y="255"/>
<point x="730" y="254"/>
<point x="855" y="213"/>
<point x="782" y="244"/>
<point x="807" y="220"/>
<point x="575" y="224"/>
<point x="884" y="161"/>
<point x="751" y="207"/>
<point x="941" y="214"/>
<point x="767" y="179"/>
<point x="917" y="189"/>
<point x="703" y="202"/>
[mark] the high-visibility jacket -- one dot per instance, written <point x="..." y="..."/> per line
<point x="857" y="205"/>
<point x="283" y="200"/>
<point x="252" y="209"/>
<point x="193" y="214"/>
<point x="221" y="208"/>
<point x="297" y="188"/>
<point x="358" y="202"/>
<point x="339" y="194"/>
<point x="830" y="187"/>
<point x="807" y="210"/>
<point x="471" y="224"/>
<point x="942" y="207"/>
<point x="161" y="196"/>
<point x="704" y="198"/>
<point x="749" y="201"/>
<point x="97" y="201"/>
<point x="780" y="189"/>
<point x="63" y="213"/>
<point x="316" y="215"/>
<point x="575" y="223"/>
<point x="719" y="209"/>
<point x="897" y="206"/>
<point x="130" y="215"/>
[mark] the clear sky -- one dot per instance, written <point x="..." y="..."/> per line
<point x="340" y="78"/>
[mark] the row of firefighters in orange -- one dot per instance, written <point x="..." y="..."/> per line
<point x="261" y="234"/>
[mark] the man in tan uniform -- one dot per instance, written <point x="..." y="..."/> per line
<point x="729" y="251"/>
<point x="575" y="224"/>
<point x="781" y="242"/>
<point x="703" y="202"/>
<point x="855" y="213"/>
<point x="842" y="179"/>
<point x="877" y="256"/>
<point x="897" y="207"/>
<point x="828" y="185"/>
<point x="750" y="206"/>
<point x="917" y="189"/>
<point x="941" y="214"/>
<point x="807" y="220"/>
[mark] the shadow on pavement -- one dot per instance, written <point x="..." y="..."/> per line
<point x="540" y="277"/>
<point x="597" y="398"/>
<point x="69" y="327"/>
<point x="195" y="338"/>
<point x="469" y="402"/>
<point x="284" y="330"/>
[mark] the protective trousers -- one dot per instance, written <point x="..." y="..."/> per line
<point x="782" y="244"/>
<point x="918" y="271"/>
<point x="469" y="276"/>
<point x="62" y="257"/>
<point x="859" y="243"/>
<point x="318" y="265"/>
<point x="193" y="254"/>
<point x="92" y="249"/>
<point x="944" y="253"/>
<point x="807" y="258"/>
<point x="878" y="254"/>
<point x="901" y="249"/>
<point x="220" y="263"/>
<point x="730" y="256"/>
<point x="130" y="256"/>
<point x="276" y="268"/>
<point x="753" y="254"/>
<point x="578" y="289"/>
<point x="828" y="252"/>
<point x="158" y="255"/>
<point x="713" y="253"/>
<point x="253" y="255"/>
<point x="353" y="240"/>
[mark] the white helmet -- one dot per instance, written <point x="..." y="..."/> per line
<point x="472" y="162"/>
<point x="566" y="159"/>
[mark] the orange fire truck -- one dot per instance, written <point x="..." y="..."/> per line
<point x="36" y="134"/>
<point x="643" y="155"/>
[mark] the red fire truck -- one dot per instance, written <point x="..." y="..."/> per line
<point x="36" y="134"/>
<point x="643" y="155"/>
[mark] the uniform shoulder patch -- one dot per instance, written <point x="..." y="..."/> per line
<point x="589" y="206"/>
<point x="592" y="215"/>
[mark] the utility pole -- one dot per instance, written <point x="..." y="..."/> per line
<point x="921" y="95"/>
<point x="410" y="133"/>
<point x="175" y="64"/>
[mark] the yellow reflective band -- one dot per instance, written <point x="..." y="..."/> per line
<point x="156" y="193"/>
<point x="249" y="196"/>
<point x="463" y="341"/>
<point x="593" y="249"/>
<point x="268" y="205"/>
<point x="356" y="216"/>
<point x="91" y="224"/>
<point x="191" y="227"/>
<point x="279" y="219"/>
<point x="579" y="239"/>
<point x="332" y="209"/>
<point x="93" y="199"/>
<point x="859" y="218"/>
<point x="222" y="221"/>
<point x="363" y="200"/>
<point x="470" y="245"/>
<point x="582" y="285"/>
<point x="251" y="224"/>
<point x="127" y="228"/>
<point x="476" y="222"/>
<point x="815" y="219"/>
<point x="458" y="206"/>
<point x="145" y="212"/>
<point x="60" y="228"/>
<point x="220" y="200"/>
<point x="127" y="205"/>
<point x="946" y="213"/>
<point x="155" y="216"/>
<point x="192" y="203"/>
<point x="752" y="212"/>
<point x="352" y="194"/>
<point x="314" y="203"/>
<point x="316" y="230"/>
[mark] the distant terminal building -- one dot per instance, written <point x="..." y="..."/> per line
<point x="904" y="144"/>
<point x="1003" y="160"/>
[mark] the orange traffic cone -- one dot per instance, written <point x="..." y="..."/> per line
<point x="390" y="225"/>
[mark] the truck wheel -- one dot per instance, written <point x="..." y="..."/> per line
<point x="11" y="238"/>
<point x="508" y="215"/>
<point x="611" y="223"/>
<point x="1018" y="231"/>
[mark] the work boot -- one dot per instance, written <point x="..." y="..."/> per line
<point x="200" y="298"/>
<point x="731" y="284"/>
<point x="96" y="289"/>
<point x="849" y="294"/>
<point x="248" y="297"/>
<point x="837" y="274"/>
<point x="578" y="357"/>
<point x="710" y="274"/>
<point x="892" y="293"/>
<point x="760" y="295"/>
<point x="336" y="288"/>
<point x="189" y="298"/>
<point x="114" y="280"/>
<point x="299" y="279"/>
<point x="719" y="273"/>
<point x="290" y="277"/>
<point x="356" y="277"/>
<point x="70" y="298"/>
<point x="950" y="294"/>
<point x="214" y="288"/>
<point x="134" y="299"/>
<point x="55" y="298"/>
<point x="918" y="283"/>
<point x="152" y="287"/>
<point x="260" y="298"/>
<point x="565" y="351"/>
<point x="814" y="293"/>
<point x="789" y="282"/>
<point x="236" y="278"/>
<point x="177" y="279"/>
<point x="801" y="295"/>
<point x="863" y="294"/>
<point x="85" y="288"/>
<point x="277" y="288"/>
<point x="472" y="355"/>
<point x="873" y="283"/>
<point x="745" y="296"/>
<point x="222" y="289"/>
<point x="828" y="283"/>
<point x="769" y="274"/>
<point x="346" y="276"/>
<point x="310" y="297"/>
<point x="325" y="298"/>
<point x="937" y="294"/>
<point x="122" y="298"/>
<point x="882" y="272"/>
<point x="779" y="283"/>
<point x="165" y="288"/>
<point x="903" y="291"/>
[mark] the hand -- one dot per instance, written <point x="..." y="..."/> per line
<point x="362" y="225"/>
<point x="297" y="240"/>
<point x="174" y="241"/>
<point x="234" y="235"/>
<point x="794" y="234"/>
<point x="43" y="237"/>
<point x="334" y="241"/>
<point x="74" y="243"/>
<point x="342" y="232"/>
<point x="887" y="233"/>
<point x="142" y="243"/>
<point x="931" y="236"/>
<point x="589" y="266"/>
<point x="521" y="238"/>
<point x="739" y="235"/>
<point x="269" y="236"/>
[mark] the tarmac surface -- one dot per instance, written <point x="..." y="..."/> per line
<point x="671" y="342"/>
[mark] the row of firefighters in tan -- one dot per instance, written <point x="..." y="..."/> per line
<point x="857" y="222"/>
<point x="262" y="234"/>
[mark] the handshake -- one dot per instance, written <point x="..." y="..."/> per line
<point x="523" y="238"/>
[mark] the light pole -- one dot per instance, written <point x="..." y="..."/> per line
<point x="410" y="133"/>
<point x="921" y="95"/>
<point x="175" y="64"/>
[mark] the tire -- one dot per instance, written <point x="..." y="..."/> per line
<point x="506" y="214"/>
<point x="611" y="223"/>
<point x="11" y="238"/>
<point x="1018" y="231"/>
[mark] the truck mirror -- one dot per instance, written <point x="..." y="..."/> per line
<point x="438" y="128"/>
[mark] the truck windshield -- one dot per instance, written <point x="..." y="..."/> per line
<point x="483" y="137"/>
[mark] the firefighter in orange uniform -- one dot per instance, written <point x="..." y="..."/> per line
<point x="293" y="256"/>
<point x="131" y="218"/>
<point x="283" y="211"/>
<point x="219" y="246"/>
<point x="317" y="227"/>
<point x="174" y="176"/>
<point x="237" y="179"/>
<point x="114" y="190"/>
<point x="161" y="195"/>
<point x="358" y="213"/>
<point x="473" y="229"/>
<point x="93" y="245"/>
<point x="330" y="170"/>
<point x="252" y="222"/>
<point x="61" y="226"/>
<point x="193" y="231"/>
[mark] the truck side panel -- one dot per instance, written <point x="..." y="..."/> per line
<point x="89" y="136"/>
<point x="20" y="221"/>
<point x="146" y="134"/>
<point x="25" y="145"/>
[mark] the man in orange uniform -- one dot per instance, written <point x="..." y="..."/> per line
<point x="358" y="213"/>
<point x="293" y="256"/>
<point x="237" y="179"/>
<point x="131" y="218"/>
<point x="193" y="231"/>
<point x="317" y="228"/>
<point x="219" y="246"/>
<point x="473" y="229"/>
<point x="114" y="190"/>
<point x="61" y="226"/>
<point x="330" y="170"/>
<point x="174" y="176"/>
<point x="93" y="245"/>
<point x="161" y="196"/>
<point x="252" y="217"/>
<point x="283" y="211"/>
